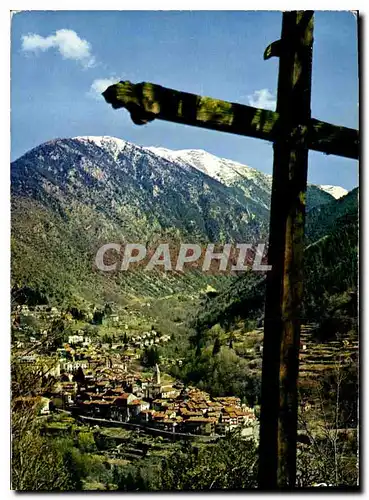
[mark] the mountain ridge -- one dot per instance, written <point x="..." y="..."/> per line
<point x="72" y="195"/>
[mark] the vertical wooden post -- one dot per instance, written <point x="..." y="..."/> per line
<point x="278" y="419"/>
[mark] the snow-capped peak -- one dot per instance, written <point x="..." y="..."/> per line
<point x="228" y="172"/>
<point x="112" y="144"/>
<point x="102" y="140"/>
<point x="335" y="191"/>
<point x="167" y="154"/>
<point x="221" y="169"/>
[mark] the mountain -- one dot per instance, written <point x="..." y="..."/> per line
<point x="324" y="219"/>
<point x="335" y="191"/>
<point x="254" y="184"/>
<point x="330" y="270"/>
<point x="71" y="196"/>
<point x="134" y="191"/>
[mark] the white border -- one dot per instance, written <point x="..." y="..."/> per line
<point x="4" y="185"/>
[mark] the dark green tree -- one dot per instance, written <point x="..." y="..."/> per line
<point x="217" y="346"/>
<point x="79" y="376"/>
<point x="150" y="356"/>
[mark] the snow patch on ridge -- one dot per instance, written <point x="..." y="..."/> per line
<point x="335" y="191"/>
<point x="111" y="144"/>
<point x="221" y="169"/>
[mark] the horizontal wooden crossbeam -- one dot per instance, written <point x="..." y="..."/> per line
<point x="147" y="101"/>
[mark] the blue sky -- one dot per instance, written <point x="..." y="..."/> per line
<point x="61" y="59"/>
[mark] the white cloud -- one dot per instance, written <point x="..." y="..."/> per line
<point x="99" y="85"/>
<point x="67" y="42"/>
<point x="262" y="98"/>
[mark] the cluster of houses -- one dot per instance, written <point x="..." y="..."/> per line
<point x="193" y="411"/>
<point x="105" y="381"/>
<point x="169" y="407"/>
<point x="44" y="312"/>
<point x="107" y="389"/>
<point x="146" y="339"/>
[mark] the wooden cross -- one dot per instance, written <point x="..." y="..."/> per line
<point x="293" y="132"/>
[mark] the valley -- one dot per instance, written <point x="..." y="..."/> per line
<point x="178" y="352"/>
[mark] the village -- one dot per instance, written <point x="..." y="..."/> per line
<point x="105" y="382"/>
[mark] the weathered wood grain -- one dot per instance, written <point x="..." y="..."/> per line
<point x="148" y="101"/>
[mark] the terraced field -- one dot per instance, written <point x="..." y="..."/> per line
<point x="316" y="357"/>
